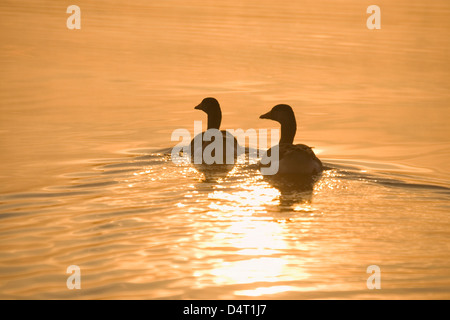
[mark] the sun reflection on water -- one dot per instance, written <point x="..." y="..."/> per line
<point x="258" y="242"/>
<point x="271" y="290"/>
<point x="246" y="228"/>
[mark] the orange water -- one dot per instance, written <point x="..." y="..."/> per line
<point x="82" y="113"/>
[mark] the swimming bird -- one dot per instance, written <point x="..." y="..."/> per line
<point x="298" y="159"/>
<point x="229" y="143"/>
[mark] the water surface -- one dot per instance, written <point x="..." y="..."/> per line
<point x="83" y="114"/>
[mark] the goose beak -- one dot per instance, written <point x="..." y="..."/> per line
<point x="266" y="116"/>
<point x="199" y="107"/>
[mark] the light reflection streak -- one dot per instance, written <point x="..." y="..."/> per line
<point x="271" y="290"/>
<point x="258" y="242"/>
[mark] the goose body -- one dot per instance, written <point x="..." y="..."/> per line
<point x="297" y="159"/>
<point x="199" y="145"/>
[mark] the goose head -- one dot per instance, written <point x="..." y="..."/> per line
<point x="212" y="108"/>
<point x="283" y="114"/>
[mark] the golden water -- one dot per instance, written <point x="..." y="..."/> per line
<point x="82" y="113"/>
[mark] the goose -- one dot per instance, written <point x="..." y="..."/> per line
<point x="297" y="159"/>
<point x="229" y="143"/>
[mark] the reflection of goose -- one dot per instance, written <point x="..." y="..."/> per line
<point x="296" y="198"/>
<point x="296" y="159"/>
<point x="204" y="150"/>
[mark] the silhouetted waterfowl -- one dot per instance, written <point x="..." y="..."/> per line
<point x="298" y="159"/>
<point x="229" y="143"/>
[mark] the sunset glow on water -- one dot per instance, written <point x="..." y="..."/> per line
<point x="84" y="115"/>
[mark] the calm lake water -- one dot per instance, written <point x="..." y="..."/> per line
<point x="84" y="112"/>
